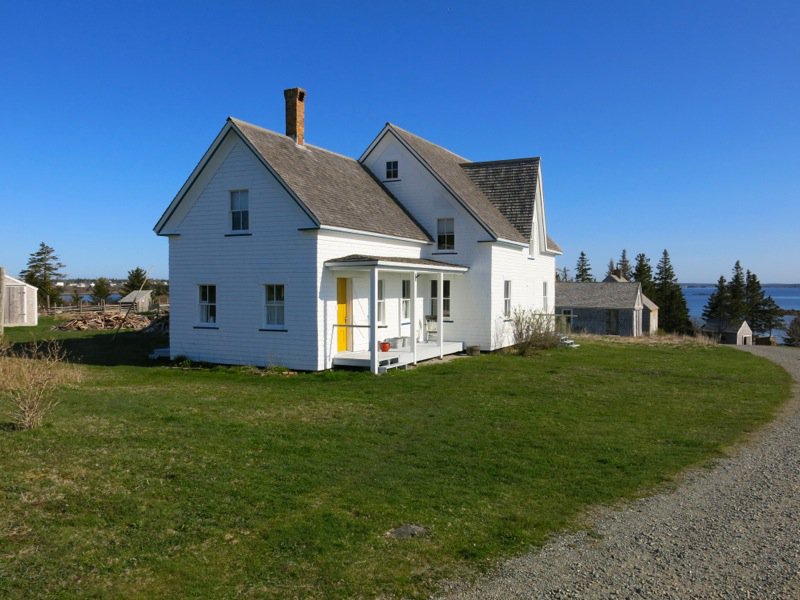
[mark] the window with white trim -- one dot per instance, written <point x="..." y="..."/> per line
<point x="507" y="299"/>
<point x="274" y="305"/>
<point x="445" y="234"/>
<point x="240" y="210"/>
<point x="445" y="298"/>
<point x="392" y="171"/>
<point x="405" y="300"/>
<point x="207" y="302"/>
<point x="381" y="303"/>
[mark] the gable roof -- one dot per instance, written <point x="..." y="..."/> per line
<point x="597" y="295"/>
<point x="717" y="326"/>
<point x="501" y="195"/>
<point x="447" y="167"/>
<point x="135" y="295"/>
<point x="334" y="190"/>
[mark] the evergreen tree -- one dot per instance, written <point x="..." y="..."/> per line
<point x="562" y="274"/>
<point x="583" y="270"/>
<point x="611" y="267"/>
<point x="737" y="292"/>
<point x="624" y="266"/>
<point x="101" y="289"/>
<point x="43" y="271"/>
<point x="673" y="314"/>
<point x="136" y="279"/>
<point x="761" y="312"/>
<point x="718" y="305"/>
<point x="643" y="273"/>
<point x="161" y="289"/>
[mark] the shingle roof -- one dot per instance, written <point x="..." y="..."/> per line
<point x="596" y="295"/>
<point x="448" y="167"/>
<point x="338" y="191"/>
<point x="135" y="295"/>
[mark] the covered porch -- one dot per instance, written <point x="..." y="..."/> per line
<point x="416" y="334"/>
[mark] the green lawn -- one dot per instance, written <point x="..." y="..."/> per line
<point x="160" y="482"/>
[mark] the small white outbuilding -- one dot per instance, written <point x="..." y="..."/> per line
<point x="20" y="304"/>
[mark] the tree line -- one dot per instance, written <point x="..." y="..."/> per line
<point x="661" y="287"/>
<point x="44" y="269"/>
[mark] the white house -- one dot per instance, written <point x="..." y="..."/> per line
<point x="20" y="303"/>
<point x="285" y="253"/>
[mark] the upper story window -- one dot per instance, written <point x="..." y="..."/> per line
<point x="391" y="169"/>
<point x="274" y="305"/>
<point x="507" y="299"/>
<point x="240" y="210"/>
<point x="208" y="303"/>
<point x="445" y="234"/>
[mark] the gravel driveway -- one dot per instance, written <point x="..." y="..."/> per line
<point x="732" y="531"/>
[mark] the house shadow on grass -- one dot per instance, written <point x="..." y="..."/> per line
<point x="103" y="348"/>
<point x="126" y="348"/>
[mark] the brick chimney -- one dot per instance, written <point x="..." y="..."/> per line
<point x="295" y="114"/>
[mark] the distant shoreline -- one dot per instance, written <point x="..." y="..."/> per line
<point x="763" y="285"/>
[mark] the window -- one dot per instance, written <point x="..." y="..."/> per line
<point x="381" y="303"/>
<point x="391" y="169"/>
<point x="445" y="234"/>
<point x="507" y="299"/>
<point x="240" y="210"/>
<point x="274" y="304"/>
<point x="208" y="303"/>
<point x="545" y="299"/>
<point x="445" y="298"/>
<point x="405" y="301"/>
<point x="567" y="313"/>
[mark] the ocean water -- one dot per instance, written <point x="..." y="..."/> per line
<point x="787" y="297"/>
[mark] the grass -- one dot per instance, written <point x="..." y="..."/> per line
<point x="155" y="481"/>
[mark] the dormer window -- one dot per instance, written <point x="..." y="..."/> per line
<point x="445" y="234"/>
<point x="240" y="210"/>
<point x="391" y="169"/>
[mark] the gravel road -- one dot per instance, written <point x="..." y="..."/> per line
<point x="731" y="531"/>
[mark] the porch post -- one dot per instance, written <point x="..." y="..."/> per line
<point x="439" y="314"/>
<point x="373" y="320"/>
<point x="413" y="294"/>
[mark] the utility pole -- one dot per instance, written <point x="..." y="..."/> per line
<point x="2" y="301"/>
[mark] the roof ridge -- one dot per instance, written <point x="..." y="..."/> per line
<point x="406" y="131"/>
<point x="482" y="163"/>
<point x="273" y="132"/>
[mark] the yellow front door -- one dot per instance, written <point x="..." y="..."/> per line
<point x="341" y="314"/>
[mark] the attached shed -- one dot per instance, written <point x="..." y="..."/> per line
<point x="20" y="303"/>
<point x="606" y="308"/>
<point x="734" y="332"/>
<point x="140" y="299"/>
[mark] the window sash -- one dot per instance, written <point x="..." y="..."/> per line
<point x="381" y="303"/>
<point x="274" y="305"/>
<point x="545" y="299"/>
<point x="391" y="169"/>
<point x="445" y="234"/>
<point x="240" y="210"/>
<point x="506" y="298"/>
<point x="405" y="302"/>
<point x="445" y="298"/>
<point x="208" y="303"/>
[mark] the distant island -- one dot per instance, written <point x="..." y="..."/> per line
<point x="766" y="285"/>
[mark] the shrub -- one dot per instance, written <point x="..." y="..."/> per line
<point x="533" y="330"/>
<point x="30" y="378"/>
<point x="793" y="332"/>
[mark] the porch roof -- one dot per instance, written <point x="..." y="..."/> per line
<point x="395" y="263"/>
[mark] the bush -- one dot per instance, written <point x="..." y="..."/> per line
<point x="793" y="332"/>
<point x="29" y="379"/>
<point x="533" y="330"/>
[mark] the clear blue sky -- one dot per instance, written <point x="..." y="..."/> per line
<point x="660" y="124"/>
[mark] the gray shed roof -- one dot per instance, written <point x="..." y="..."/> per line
<point x="725" y="326"/>
<point x="338" y="191"/>
<point x="135" y="295"/>
<point x="596" y="295"/>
